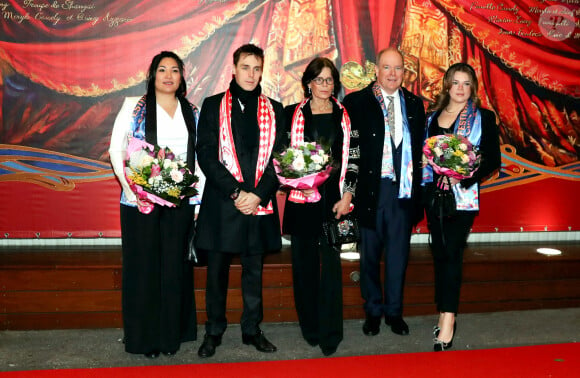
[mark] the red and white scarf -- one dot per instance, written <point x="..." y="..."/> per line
<point x="297" y="138"/>
<point x="227" y="148"/>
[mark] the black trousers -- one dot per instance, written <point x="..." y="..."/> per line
<point x="391" y="236"/>
<point x="448" y="240"/>
<point x="157" y="296"/>
<point x="317" y="277"/>
<point x="218" y="268"/>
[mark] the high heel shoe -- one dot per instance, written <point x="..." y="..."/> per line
<point x="440" y="346"/>
<point x="436" y="330"/>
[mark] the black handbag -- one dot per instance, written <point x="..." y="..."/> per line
<point x="342" y="231"/>
<point x="193" y="255"/>
<point x="441" y="202"/>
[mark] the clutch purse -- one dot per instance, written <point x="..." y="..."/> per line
<point x="192" y="254"/>
<point x="342" y="231"/>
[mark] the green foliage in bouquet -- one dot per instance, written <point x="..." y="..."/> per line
<point x="159" y="172"/>
<point x="303" y="160"/>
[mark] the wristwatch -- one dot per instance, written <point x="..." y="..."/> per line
<point x="236" y="193"/>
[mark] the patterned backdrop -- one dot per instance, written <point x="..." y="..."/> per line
<point x="66" y="66"/>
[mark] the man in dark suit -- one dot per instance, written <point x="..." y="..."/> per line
<point x="390" y="123"/>
<point x="238" y="215"/>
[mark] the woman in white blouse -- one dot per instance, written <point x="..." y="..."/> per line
<point x="157" y="297"/>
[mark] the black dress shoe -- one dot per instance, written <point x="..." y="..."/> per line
<point x="372" y="325"/>
<point x="259" y="341"/>
<point x="397" y="324"/>
<point x="170" y="353"/>
<point x="312" y="342"/>
<point x="327" y="351"/>
<point x="207" y="348"/>
<point x="152" y="355"/>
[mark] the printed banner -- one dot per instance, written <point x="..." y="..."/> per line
<point x="66" y="67"/>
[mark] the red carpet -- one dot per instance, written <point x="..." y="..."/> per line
<point x="557" y="360"/>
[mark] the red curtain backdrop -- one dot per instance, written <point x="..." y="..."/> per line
<point x="376" y="22"/>
<point x="513" y="32"/>
<point x="532" y="83"/>
<point x="84" y="58"/>
<point x="67" y="66"/>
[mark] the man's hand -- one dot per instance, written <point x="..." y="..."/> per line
<point x="247" y="202"/>
<point x="342" y="207"/>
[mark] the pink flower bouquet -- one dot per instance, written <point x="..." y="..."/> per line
<point x="451" y="155"/>
<point x="306" y="166"/>
<point x="157" y="176"/>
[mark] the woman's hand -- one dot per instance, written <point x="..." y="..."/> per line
<point x="129" y="194"/>
<point x="307" y="192"/>
<point x="442" y="182"/>
<point x="342" y="207"/>
<point x="118" y="168"/>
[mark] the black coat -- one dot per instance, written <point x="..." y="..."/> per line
<point x="367" y="118"/>
<point x="220" y="226"/>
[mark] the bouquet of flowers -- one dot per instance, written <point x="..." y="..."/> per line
<point x="305" y="166"/>
<point x="157" y="176"/>
<point x="451" y="155"/>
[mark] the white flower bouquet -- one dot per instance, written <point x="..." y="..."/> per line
<point x="157" y="176"/>
<point x="305" y="166"/>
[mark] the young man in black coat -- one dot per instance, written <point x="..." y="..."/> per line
<point x="390" y="122"/>
<point x="238" y="216"/>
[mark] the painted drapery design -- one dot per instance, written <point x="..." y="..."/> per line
<point x="66" y="66"/>
<point x="526" y="76"/>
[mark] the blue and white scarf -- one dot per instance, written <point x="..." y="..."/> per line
<point x="468" y="124"/>
<point x="138" y="131"/>
<point x="406" y="183"/>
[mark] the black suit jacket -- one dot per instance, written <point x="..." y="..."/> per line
<point x="367" y="118"/>
<point x="221" y="227"/>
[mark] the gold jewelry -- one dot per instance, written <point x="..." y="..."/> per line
<point x="323" y="108"/>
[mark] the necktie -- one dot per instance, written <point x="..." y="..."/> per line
<point x="391" y="118"/>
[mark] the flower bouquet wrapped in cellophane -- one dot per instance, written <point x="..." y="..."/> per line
<point x="450" y="156"/>
<point x="305" y="166"/>
<point x="157" y="176"/>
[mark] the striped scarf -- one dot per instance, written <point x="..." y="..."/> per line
<point x="297" y="138"/>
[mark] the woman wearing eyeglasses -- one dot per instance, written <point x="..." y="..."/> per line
<point x="316" y="268"/>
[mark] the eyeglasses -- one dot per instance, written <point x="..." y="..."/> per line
<point x="320" y="80"/>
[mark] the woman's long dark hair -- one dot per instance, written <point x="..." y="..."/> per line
<point x="150" y="102"/>
<point x="443" y="97"/>
<point x="182" y="90"/>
